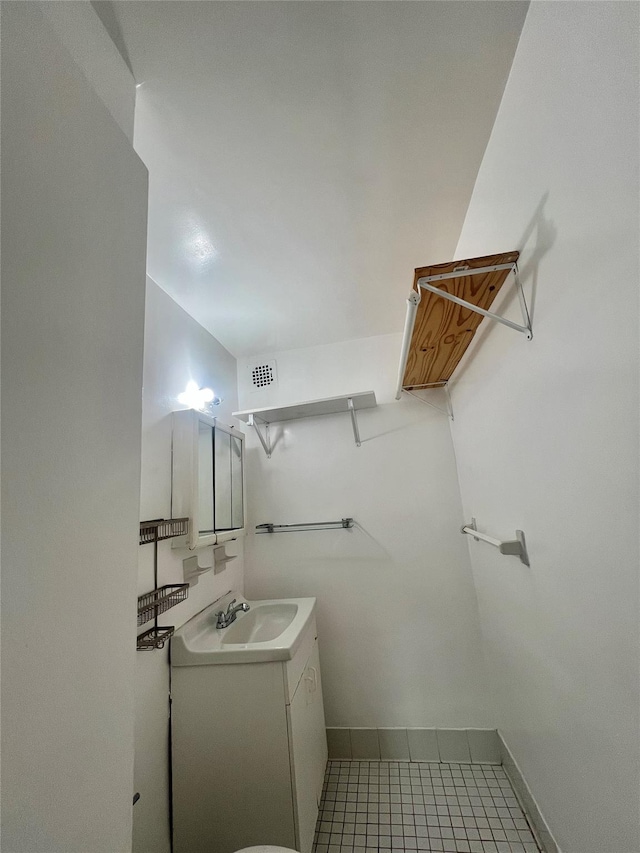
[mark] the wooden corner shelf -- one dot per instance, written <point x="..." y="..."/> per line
<point x="443" y="330"/>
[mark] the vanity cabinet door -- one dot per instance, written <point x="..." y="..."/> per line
<point x="308" y="750"/>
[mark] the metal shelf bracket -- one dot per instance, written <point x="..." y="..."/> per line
<point x="426" y="284"/>
<point x="354" y="421"/>
<point x="445" y="385"/>
<point x="265" y="440"/>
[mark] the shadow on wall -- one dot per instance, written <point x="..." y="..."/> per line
<point x="407" y="424"/>
<point x="541" y="232"/>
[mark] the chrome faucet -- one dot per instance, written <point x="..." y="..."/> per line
<point x="225" y="619"/>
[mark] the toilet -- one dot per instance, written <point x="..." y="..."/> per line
<point x="266" y="848"/>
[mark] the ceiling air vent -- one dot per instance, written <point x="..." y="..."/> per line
<point x="262" y="374"/>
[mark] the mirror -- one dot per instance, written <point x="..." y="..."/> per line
<point x="220" y="504"/>
<point x="237" y="493"/>
<point x="222" y="480"/>
<point x="207" y="477"/>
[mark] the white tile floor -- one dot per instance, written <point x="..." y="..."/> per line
<point x="393" y="806"/>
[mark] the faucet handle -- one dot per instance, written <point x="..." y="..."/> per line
<point x="230" y="605"/>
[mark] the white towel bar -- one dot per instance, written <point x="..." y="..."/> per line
<point x="516" y="547"/>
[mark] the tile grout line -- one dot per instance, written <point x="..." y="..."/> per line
<point x="436" y="807"/>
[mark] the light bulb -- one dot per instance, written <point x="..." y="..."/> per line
<point x="197" y="398"/>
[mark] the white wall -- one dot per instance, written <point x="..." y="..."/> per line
<point x="176" y="350"/>
<point x="546" y="433"/>
<point x="83" y="34"/>
<point x="74" y="199"/>
<point x="397" y="617"/>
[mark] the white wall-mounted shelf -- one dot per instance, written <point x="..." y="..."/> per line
<point x="313" y="408"/>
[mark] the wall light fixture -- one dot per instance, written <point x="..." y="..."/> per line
<point x="198" y="398"/>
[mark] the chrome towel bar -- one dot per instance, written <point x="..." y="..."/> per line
<point x="345" y="523"/>
<point x="516" y="547"/>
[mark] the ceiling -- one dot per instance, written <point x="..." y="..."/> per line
<point x="304" y="157"/>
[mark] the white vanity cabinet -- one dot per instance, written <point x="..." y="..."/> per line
<point x="307" y="749"/>
<point x="249" y="752"/>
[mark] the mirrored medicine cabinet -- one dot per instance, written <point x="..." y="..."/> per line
<point x="207" y="478"/>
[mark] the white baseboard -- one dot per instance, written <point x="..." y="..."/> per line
<point x="544" y="836"/>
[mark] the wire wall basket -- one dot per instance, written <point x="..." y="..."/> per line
<point x="160" y="599"/>
<point x="154" y="638"/>
<point x="152" y="604"/>
<point x="162" y="528"/>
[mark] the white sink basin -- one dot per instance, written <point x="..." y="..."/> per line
<point x="262" y="624"/>
<point x="268" y="631"/>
